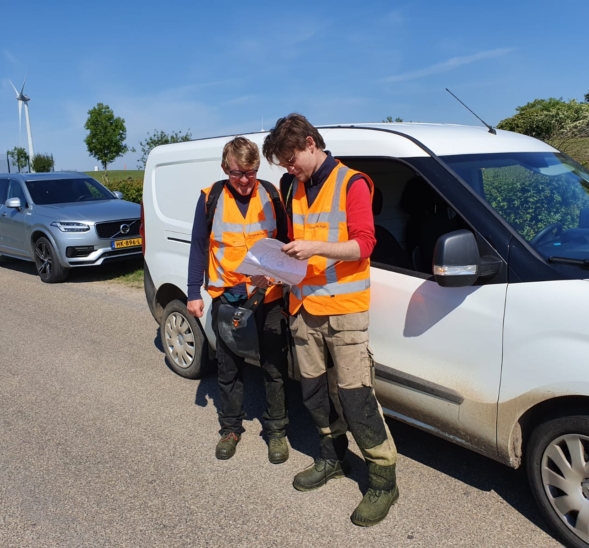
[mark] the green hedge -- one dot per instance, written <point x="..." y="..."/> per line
<point x="132" y="189"/>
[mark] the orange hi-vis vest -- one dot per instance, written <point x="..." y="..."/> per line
<point x="232" y="235"/>
<point x="330" y="287"/>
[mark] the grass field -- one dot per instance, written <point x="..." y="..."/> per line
<point x="118" y="175"/>
<point x="132" y="278"/>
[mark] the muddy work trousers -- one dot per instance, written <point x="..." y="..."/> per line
<point x="337" y="377"/>
<point x="271" y="325"/>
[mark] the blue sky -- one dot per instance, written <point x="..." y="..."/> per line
<point x="222" y="67"/>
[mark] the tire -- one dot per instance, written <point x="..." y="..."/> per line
<point x="558" y="471"/>
<point x="185" y="345"/>
<point x="48" y="266"/>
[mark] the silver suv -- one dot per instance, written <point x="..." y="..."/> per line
<point x="65" y="220"/>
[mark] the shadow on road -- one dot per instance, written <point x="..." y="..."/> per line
<point x="104" y="272"/>
<point x="462" y="464"/>
<point x="470" y="468"/>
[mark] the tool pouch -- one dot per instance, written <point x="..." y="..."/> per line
<point x="238" y="326"/>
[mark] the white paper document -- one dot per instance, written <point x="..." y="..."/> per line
<point x="266" y="259"/>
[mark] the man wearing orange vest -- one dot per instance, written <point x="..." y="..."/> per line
<point x="329" y="206"/>
<point x="244" y="213"/>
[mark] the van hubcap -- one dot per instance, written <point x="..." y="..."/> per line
<point x="565" y="475"/>
<point x="179" y="340"/>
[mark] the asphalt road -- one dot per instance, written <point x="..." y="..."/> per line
<point x="101" y="445"/>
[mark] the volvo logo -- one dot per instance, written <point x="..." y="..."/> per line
<point x="125" y="229"/>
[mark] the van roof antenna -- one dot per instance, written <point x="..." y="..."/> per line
<point x="491" y="128"/>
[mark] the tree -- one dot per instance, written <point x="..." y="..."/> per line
<point x="587" y="97"/>
<point x="553" y="120"/>
<point x="19" y="157"/>
<point x="160" y="138"/>
<point x="42" y="163"/>
<point x="106" y="135"/>
<point x="389" y="119"/>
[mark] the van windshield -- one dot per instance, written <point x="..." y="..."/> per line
<point x="542" y="195"/>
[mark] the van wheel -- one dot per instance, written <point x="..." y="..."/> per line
<point x="48" y="267"/>
<point x="558" y="471"/>
<point x="185" y="345"/>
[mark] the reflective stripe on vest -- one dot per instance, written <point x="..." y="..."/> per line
<point x="344" y="285"/>
<point x="225" y="232"/>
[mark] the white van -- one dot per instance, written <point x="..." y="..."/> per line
<point x="479" y="314"/>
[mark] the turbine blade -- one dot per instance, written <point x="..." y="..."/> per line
<point x="15" y="90"/>
<point x="23" y="84"/>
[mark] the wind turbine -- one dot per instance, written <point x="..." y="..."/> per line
<point x="24" y="100"/>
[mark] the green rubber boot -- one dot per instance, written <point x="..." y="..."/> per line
<point x="319" y="474"/>
<point x="382" y="493"/>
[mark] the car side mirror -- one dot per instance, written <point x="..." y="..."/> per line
<point x="13" y="203"/>
<point x="457" y="261"/>
<point x="118" y="194"/>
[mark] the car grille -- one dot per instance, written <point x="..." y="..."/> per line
<point x="113" y="229"/>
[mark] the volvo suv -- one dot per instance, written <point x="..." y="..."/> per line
<point x="64" y="220"/>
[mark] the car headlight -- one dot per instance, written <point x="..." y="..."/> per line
<point x="71" y="226"/>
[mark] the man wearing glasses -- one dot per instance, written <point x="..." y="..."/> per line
<point x="330" y="209"/>
<point x="244" y="213"/>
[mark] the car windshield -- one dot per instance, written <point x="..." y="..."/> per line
<point x="542" y="195"/>
<point x="65" y="191"/>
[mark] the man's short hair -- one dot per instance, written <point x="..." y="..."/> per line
<point x="243" y="151"/>
<point x="288" y="136"/>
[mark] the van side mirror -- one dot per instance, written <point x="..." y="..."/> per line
<point x="13" y="203"/>
<point x="457" y="261"/>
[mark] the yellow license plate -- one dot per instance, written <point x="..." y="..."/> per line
<point x="132" y="242"/>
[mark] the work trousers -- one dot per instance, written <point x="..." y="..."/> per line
<point x="337" y="378"/>
<point x="272" y="341"/>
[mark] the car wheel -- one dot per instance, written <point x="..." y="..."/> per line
<point x="48" y="266"/>
<point x="184" y="342"/>
<point x="558" y="472"/>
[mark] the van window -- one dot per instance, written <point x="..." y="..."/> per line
<point x="409" y="215"/>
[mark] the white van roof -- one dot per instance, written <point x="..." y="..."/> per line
<point x="452" y="139"/>
<point x="367" y="139"/>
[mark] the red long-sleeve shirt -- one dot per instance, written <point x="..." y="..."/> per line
<point x="358" y="206"/>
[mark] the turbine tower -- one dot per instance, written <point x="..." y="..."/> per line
<point x="24" y="100"/>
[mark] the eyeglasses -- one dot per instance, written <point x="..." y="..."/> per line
<point x="250" y="174"/>
<point x="291" y="162"/>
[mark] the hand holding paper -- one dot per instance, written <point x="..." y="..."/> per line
<point x="266" y="258"/>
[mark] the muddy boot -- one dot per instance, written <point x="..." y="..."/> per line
<point x="382" y="493"/>
<point x="319" y="474"/>
<point x="226" y="446"/>
<point x="277" y="450"/>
